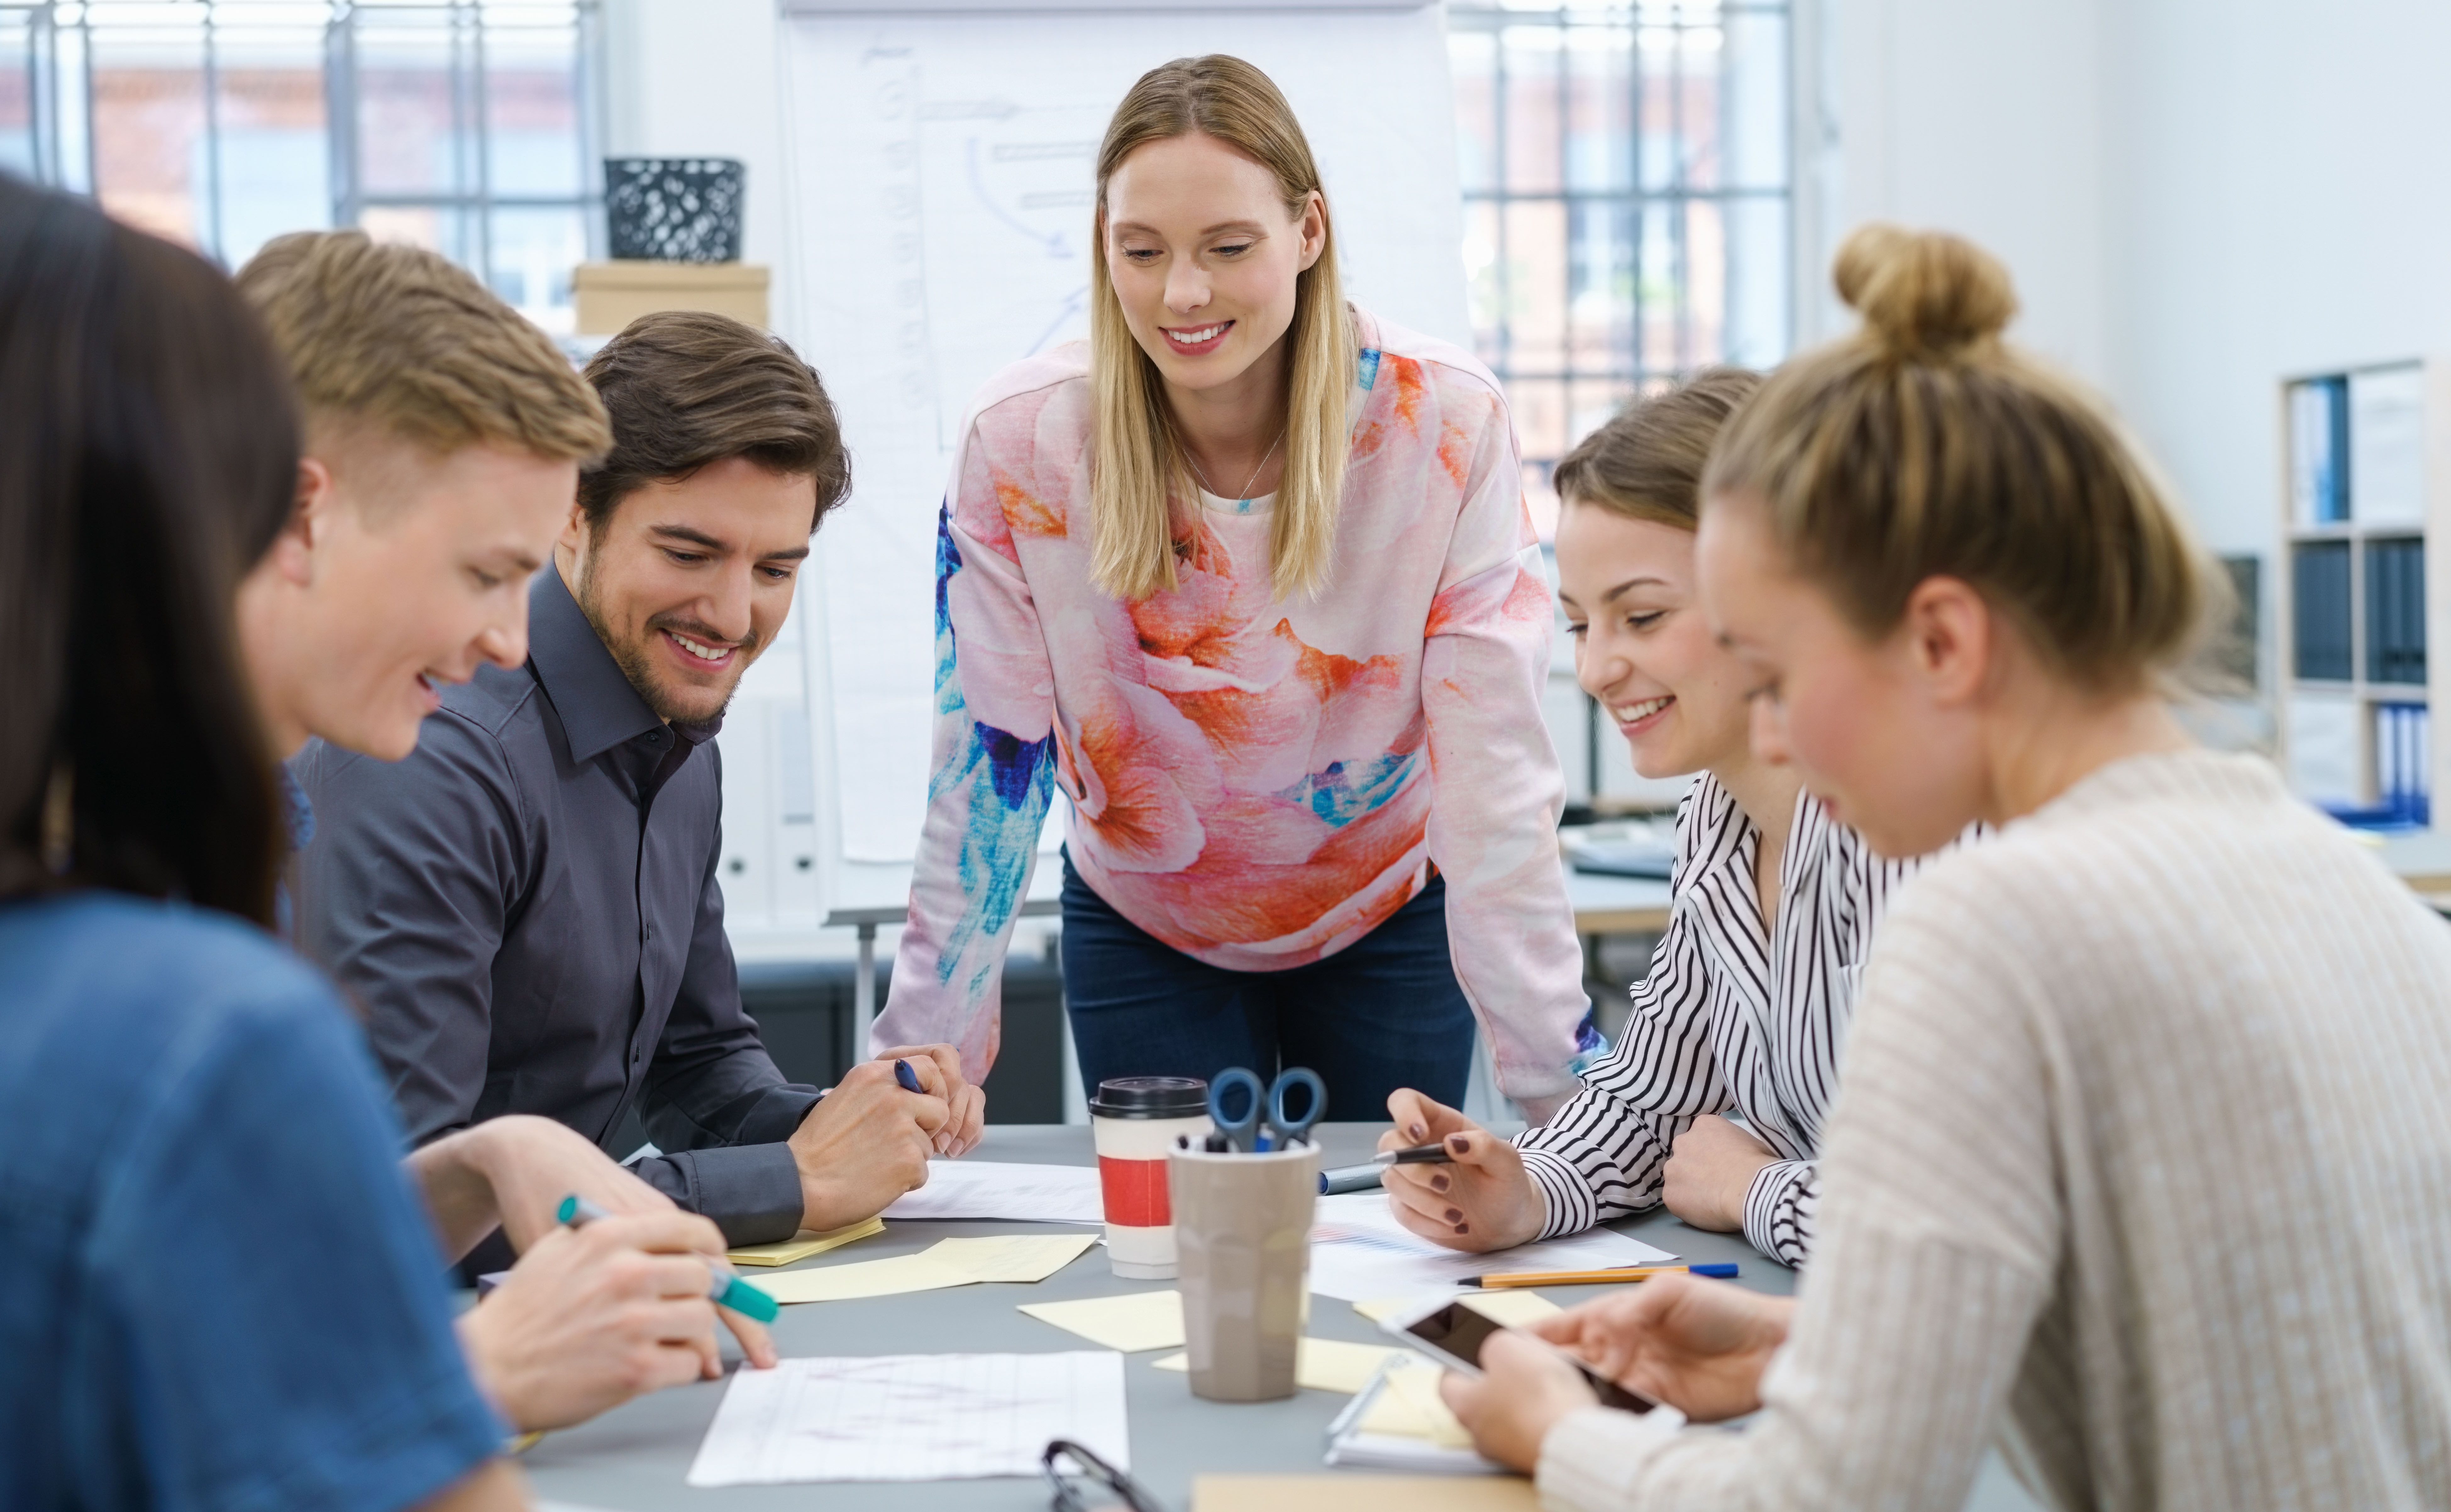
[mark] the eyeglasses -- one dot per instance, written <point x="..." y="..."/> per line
<point x="1122" y="1491"/>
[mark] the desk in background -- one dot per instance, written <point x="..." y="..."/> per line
<point x="1603" y="905"/>
<point x="637" y="1455"/>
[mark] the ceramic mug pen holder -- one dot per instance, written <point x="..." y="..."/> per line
<point x="1136" y="1122"/>
<point x="1242" y="1230"/>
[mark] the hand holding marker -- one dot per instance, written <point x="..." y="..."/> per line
<point x="727" y="1289"/>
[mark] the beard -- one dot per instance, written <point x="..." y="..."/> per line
<point x="635" y="655"/>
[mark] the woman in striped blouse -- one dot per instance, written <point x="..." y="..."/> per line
<point x="1750" y="989"/>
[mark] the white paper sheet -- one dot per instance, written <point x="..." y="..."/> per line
<point x="1358" y="1252"/>
<point x="913" y="1417"/>
<point x="986" y="1189"/>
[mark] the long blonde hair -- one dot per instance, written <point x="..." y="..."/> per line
<point x="1138" y="469"/>
<point x="1924" y="445"/>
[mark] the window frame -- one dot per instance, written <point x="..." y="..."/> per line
<point x="1628" y="366"/>
<point x="60" y="43"/>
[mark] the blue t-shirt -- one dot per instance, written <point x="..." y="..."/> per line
<point x="216" y="1286"/>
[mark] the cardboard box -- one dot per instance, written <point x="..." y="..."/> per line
<point x="611" y="295"/>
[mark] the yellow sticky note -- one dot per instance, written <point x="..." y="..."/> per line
<point x="805" y="1243"/>
<point x="1322" y="1365"/>
<point x="864" y="1278"/>
<point x="1409" y="1406"/>
<point x="1511" y="1307"/>
<point x="1136" y="1321"/>
<point x="1011" y="1256"/>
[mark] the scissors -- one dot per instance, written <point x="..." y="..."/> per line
<point x="1244" y="1131"/>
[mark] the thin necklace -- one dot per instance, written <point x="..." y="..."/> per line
<point x="1247" y="482"/>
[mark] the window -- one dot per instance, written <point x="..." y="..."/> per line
<point x="1628" y="215"/>
<point x="459" y="125"/>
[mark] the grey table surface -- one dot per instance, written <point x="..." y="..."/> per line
<point x="639" y="1455"/>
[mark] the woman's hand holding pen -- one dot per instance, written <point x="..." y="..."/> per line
<point x="592" y="1316"/>
<point x="1481" y="1199"/>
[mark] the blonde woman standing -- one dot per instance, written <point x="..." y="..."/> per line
<point x="1241" y="577"/>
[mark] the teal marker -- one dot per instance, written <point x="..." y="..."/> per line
<point x="727" y="1291"/>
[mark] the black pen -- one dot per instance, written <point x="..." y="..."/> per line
<point x="1361" y="1178"/>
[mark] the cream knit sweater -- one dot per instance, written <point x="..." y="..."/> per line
<point x="2141" y="1162"/>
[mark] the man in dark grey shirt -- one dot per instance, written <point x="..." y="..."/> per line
<point x="527" y="907"/>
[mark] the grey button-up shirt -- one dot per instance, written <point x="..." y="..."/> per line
<point x="526" y="909"/>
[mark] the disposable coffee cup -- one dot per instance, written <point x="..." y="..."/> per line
<point x="1242" y="1224"/>
<point x="1136" y="1121"/>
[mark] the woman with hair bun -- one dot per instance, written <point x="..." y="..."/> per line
<point x="1236" y="576"/>
<point x="2116" y="1076"/>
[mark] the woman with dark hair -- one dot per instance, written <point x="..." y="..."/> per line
<point x="187" y="1107"/>
<point x="215" y="1285"/>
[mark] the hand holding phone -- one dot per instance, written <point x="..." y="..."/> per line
<point x="1452" y="1333"/>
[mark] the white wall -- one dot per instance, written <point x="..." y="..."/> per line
<point x="2196" y="197"/>
<point x="1981" y="117"/>
<point x="2278" y="204"/>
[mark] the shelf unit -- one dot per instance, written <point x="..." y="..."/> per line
<point x="2357" y="597"/>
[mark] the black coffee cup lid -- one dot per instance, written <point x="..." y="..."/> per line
<point x="1150" y="1098"/>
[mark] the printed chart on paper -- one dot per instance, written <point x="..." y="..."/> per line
<point x="914" y="1416"/>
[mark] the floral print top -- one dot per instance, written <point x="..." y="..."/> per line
<point x="1255" y="781"/>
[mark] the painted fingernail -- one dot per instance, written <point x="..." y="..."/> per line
<point x="1463" y="1229"/>
<point x="1437" y="1183"/>
<point x="1419" y="1129"/>
<point x="1455" y="1216"/>
<point x="1460" y="1144"/>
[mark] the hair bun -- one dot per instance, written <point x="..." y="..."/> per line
<point x="1923" y="293"/>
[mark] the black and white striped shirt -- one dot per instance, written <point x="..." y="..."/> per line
<point x="1723" y="1022"/>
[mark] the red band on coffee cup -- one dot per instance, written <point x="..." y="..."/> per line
<point x="1134" y="1192"/>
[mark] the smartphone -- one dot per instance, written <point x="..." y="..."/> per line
<point x="1452" y="1334"/>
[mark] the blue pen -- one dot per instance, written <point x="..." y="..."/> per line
<point x="726" y="1289"/>
<point x="908" y="1079"/>
<point x="1724" y="1269"/>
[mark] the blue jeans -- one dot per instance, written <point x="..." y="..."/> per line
<point x="1386" y="1012"/>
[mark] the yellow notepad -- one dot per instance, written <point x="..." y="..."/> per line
<point x="864" y="1278"/>
<point x="1512" y="1309"/>
<point x="1322" y="1365"/>
<point x="1135" y="1320"/>
<point x="946" y="1263"/>
<point x="1410" y="1407"/>
<point x="1011" y="1256"/>
<point x="804" y="1244"/>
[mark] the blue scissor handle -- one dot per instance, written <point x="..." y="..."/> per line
<point x="1243" y="1129"/>
<point x="1288" y="1129"/>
